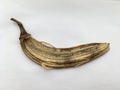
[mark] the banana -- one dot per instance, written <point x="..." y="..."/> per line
<point x="51" y="57"/>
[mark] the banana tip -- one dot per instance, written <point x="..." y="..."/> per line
<point x="13" y="19"/>
<point x="108" y="44"/>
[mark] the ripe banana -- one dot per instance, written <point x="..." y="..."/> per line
<point x="49" y="56"/>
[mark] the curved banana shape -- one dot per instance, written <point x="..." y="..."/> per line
<point x="49" y="56"/>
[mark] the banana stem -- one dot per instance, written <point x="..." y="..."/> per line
<point x="22" y="29"/>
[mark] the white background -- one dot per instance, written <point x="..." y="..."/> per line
<point x="63" y="23"/>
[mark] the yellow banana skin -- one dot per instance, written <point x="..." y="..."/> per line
<point x="50" y="57"/>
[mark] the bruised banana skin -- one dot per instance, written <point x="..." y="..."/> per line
<point x="49" y="56"/>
